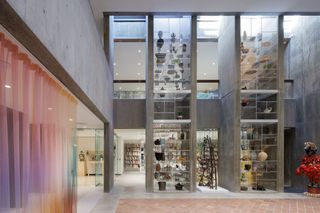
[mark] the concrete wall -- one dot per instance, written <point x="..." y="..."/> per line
<point x="303" y="67"/>
<point x="228" y="60"/>
<point x="68" y="30"/>
<point x="289" y="113"/>
<point x="129" y="114"/>
<point x="208" y="113"/>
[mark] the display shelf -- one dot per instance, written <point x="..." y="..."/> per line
<point x="132" y="157"/>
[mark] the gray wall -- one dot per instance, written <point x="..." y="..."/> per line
<point x="208" y="113"/>
<point x="228" y="60"/>
<point x="303" y="63"/>
<point x="68" y="30"/>
<point x="129" y="114"/>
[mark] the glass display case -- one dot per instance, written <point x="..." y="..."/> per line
<point x="259" y="103"/>
<point x="171" y="167"/>
<point x="171" y="101"/>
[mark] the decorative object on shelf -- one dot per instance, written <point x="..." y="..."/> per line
<point x="81" y="156"/>
<point x="158" y="167"/>
<point x="244" y="36"/>
<point x="244" y="101"/>
<point x="247" y="167"/>
<point x="162" y="185"/>
<point x="262" y="156"/>
<point x="267" y="109"/>
<point x="160" y="41"/>
<point x="179" y="116"/>
<point x="310" y="167"/>
<point x="184" y="47"/>
<point x="173" y="38"/>
<point x="179" y="186"/>
<point x="162" y="94"/>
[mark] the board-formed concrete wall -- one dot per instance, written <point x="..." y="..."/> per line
<point x="228" y="47"/>
<point x="303" y="66"/>
<point x="68" y="30"/>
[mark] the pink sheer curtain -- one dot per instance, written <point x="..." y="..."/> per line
<point x="37" y="122"/>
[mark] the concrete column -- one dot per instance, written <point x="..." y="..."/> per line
<point x="108" y="158"/>
<point x="280" y="101"/>
<point x="149" y="105"/>
<point x="193" y="113"/>
<point x="229" y="72"/>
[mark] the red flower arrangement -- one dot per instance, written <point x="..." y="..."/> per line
<point x="310" y="167"/>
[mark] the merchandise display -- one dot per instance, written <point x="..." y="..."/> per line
<point x="171" y="101"/>
<point x="258" y="102"/>
<point x="171" y="156"/>
<point x="132" y="156"/>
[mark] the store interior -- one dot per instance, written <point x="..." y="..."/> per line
<point x="90" y="159"/>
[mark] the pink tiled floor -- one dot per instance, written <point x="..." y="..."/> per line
<point x="308" y="205"/>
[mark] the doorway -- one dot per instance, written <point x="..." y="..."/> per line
<point x="129" y="161"/>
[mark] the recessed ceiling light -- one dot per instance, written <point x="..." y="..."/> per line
<point x="204" y="73"/>
<point x="7" y="86"/>
<point x="139" y="51"/>
<point x="248" y="63"/>
<point x="114" y="64"/>
<point x="138" y="73"/>
<point x="139" y="63"/>
<point x="120" y="88"/>
<point x="49" y="108"/>
<point x="213" y="63"/>
<point x="70" y="119"/>
<point x="117" y="73"/>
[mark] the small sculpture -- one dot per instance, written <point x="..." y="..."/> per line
<point x="268" y="109"/>
<point x="173" y="38"/>
<point x="160" y="40"/>
<point x="310" y="148"/>
<point x="81" y="156"/>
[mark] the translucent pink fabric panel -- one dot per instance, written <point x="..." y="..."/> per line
<point x="37" y="121"/>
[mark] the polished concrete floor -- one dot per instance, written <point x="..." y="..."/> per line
<point x="131" y="186"/>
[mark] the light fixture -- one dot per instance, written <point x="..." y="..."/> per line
<point x="114" y="64"/>
<point x="120" y="88"/>
<point x="139" y="51"/>
<point x="49" y="108"/>
<point x="7" y="86"/>
<point x="70" y="119"/>
<point x="204" y="74"/>
<point x="138" y="73"/>
<point x="213" y="63"/>
<point x="117" y="73"/>
<point x="139" y="63"/>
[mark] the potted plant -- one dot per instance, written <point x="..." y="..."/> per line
<point x="310" y="167"/>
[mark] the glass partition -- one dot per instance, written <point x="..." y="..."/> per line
<point x="259" y="103"/>
<point x="172" y="99"/>
<point x="99" y="161"/>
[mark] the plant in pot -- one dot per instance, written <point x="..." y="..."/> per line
<point x="310" y="167"/>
